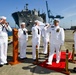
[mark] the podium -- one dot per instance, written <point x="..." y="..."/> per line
<point x="15" y="47"/>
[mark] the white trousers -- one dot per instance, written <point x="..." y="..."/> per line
<point x="3" y="52"/>
<point x="45" y="46"/>
<point x="53" y="48"/>
<point x="75" y="45"/>
<point x="22" y="47"/>
<point x="34" y="43"/>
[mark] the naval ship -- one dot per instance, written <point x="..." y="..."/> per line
<point x="28" y="16"/>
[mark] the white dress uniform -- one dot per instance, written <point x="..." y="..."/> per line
<point x="45" y="35"/>
<point x="22" y="38"/>
<point x="57" y="39"/>
<point x="4" y="42"/>
<point x="36" y="32"/>
<point x="75" y="39"/>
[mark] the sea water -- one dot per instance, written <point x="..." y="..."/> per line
<point x="10" y="33"/>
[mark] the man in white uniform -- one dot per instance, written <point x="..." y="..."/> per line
<point x="45" y="35"/>
<point x="56" y="40"/>
<point x="36" y="32"/>
<point x="74" y="38"/>
<point x="22" y="38"/>
<point x="4" y="28"/>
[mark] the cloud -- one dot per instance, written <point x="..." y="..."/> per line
<point x="68" y="8"/>
<point x="69" y="12"/>
<point x="70" y="15"/>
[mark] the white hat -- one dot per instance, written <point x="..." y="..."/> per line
<point x="57" y="20"/>
<point x="23" y="23"/>
<point x="3" y="17"/>
<point x="47" y="24"/>
<point x="36" y="21"/>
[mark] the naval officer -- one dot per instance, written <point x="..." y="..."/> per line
<point x="4" y="28"/>
<point x="22" y="38"/>
<point x="45" y="35"/>
<point x="36" y="32"/>
<point x="75" y="38"/>
<point x="56" y="40"/>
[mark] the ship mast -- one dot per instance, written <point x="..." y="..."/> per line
<point x="26" y="7"/>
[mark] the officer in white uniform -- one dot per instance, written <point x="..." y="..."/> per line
<point x="45" y="35"/>
<point x="4" y="28"/>
<point x="56" y="40"/>
<point x="74" y="38"/>
<point x="36" y="32"/>
<point x="22" y="38"/>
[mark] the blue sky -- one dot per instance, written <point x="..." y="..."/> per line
<point x="66" y="8"/>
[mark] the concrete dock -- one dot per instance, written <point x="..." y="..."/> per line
<point x="26" y="67"/>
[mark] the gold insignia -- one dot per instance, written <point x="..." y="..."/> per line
<point x="58" y="30"/>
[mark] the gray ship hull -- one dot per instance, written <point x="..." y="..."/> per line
<point x="28" y="17"/>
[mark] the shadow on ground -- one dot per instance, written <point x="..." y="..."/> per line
<point x="37" y="69"/>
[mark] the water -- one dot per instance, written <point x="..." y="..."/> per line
<point x="10" y="33"/>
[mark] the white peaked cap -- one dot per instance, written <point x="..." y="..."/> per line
<point x="36" y="21"/>
<point x="23" y="23"/>
<point x="3" y="17"/>
<point x="57" y="20"/>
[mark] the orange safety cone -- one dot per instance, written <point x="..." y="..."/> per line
<point x="66" y="66"/>
<point x="15" y="47"/>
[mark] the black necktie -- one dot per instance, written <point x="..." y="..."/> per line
<point x="38" y="31"/>
<point x="24" y="32"/>
<point x="2" y="27"/>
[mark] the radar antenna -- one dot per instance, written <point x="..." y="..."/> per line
<point x="26" y="7"/>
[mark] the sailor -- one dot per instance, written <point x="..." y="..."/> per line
<point x="22" y="38"/>
<point x="45" y="35"/>
<point x="4" y="28"/>
<point x="56" y="40"/>
<point x="75" y="38"/>
<point x="36" y="32"/>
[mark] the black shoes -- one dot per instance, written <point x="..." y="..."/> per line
<point x="1" y="65"/>
<point x="34" y="59"/>
<point x="6" y="64"/>
<point x="23" y="58"/>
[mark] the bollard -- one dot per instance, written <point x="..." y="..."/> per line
<point x="66" y="66"/>
<point x="47" y="50"/>
<point x="36" y="53"/>
<point x="73" y="61"/>
<point x="73" y="53"/>
<point x="37" y="61"/>
<point x="15" y="47"/>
